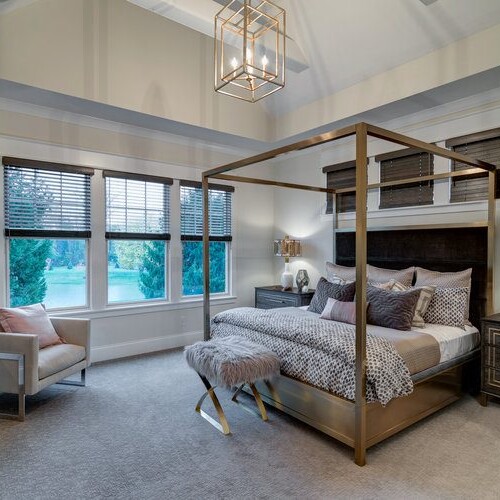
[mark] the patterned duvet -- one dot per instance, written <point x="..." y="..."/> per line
<point x="319" y="352"/>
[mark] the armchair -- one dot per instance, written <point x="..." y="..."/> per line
<point x="26" y="370"/>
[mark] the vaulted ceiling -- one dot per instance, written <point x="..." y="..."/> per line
<point x="149" y="63"/>
<point x="334" y="44"/>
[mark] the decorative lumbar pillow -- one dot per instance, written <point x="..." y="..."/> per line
<point x="340" y="274"/>
<point x="30" y="319"/>
<point x="335" y="310"/>
<point x="391" y="309"/>
<point x="448" y="306"/>
<point x="460" y="279"/>
<point x="426" y="294"/>
<point x="326" y="290"/>
<point x="381" y="275"/>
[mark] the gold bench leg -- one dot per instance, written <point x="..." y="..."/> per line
<point x="258" y="401"/>
<point x="223" y="426"/>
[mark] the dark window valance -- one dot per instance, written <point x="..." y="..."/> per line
<point x="46" y="200"/>
<point x="408" y="164"/>
<point x="481" y="146"/>
<point x="137" y="208"/>
<point x="220" y="209"/>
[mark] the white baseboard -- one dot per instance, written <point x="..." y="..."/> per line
<point x="143" y="346"/>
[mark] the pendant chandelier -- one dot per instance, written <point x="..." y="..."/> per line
<point x="250" y="49"/>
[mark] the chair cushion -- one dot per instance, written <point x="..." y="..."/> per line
<point x="232" y="361"/>
<point x="29" y="319"/>
<point x="56" y="358"/>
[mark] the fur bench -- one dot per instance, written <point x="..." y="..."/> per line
<point x="231" y="362"/>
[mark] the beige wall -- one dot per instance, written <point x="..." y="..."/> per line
<point x="116" y="53"/>
<point x="124" y="330"/>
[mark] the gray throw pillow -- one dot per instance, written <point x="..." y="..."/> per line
<point x="326" y="290"/>
<point x="391" y="309"/>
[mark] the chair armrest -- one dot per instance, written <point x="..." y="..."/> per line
<point x="19" y="343"/>
<point x="74" y="331"/>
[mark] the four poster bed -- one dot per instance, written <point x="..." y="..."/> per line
<point x="361" y="420"/>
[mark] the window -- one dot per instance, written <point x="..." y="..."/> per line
<point x="137" y="231"/>
<point x="341" y="175"/>
<point x="220" y="202"/>
<point x="482" y="146"/>
<point x="406" y="164"/>
<point x="47" y="225"/>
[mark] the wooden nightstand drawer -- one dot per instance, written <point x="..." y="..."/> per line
<point x="270" y="300"/>
<point x="271" y="297"/>
<point x="492" y="379"/>
<point x="492" y="335"/>
<point x="490" y="357"/>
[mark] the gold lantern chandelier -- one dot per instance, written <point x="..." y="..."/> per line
<point x="250" y="49"/>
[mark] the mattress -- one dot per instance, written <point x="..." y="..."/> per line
<point x="453" y="341"/>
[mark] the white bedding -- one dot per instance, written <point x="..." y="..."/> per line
<point x="453" y="341"/>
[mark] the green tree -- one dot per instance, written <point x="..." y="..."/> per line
<point x="192" y="267"/>
<point x="152" y="270"/>
<point x="28" y="257"/>
<point x="129" y="254"/>
<point x="27" y="270"/>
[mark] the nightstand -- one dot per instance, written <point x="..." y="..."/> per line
<point x="270" y="297"/>
<point x="490" y="358"/>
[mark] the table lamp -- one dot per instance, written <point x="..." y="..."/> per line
<point x="287" y="248"/>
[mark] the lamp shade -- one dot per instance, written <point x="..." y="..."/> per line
<point x="287" y="248"/>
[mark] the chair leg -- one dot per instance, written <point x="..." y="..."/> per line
<point x="21" y="405"/>
<point x="21" y="401"/>
<point x="223" y="426"/>
<point x="258" y="400"/>
<point x="78" y="383"/>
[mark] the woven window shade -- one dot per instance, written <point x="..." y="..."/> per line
<point x="394" y="167"/>
<point x="341" y="175"/>
<point x="46" y="200"/>
<point x="474" y="188"/>
<point x="137" y="207"/>
<point x="220" y="208"/>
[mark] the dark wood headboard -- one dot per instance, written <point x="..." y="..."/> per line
<point x="443" y="249"/>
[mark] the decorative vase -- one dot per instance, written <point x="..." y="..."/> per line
<point x="302" y="280"/>
<point x="287" y="278"/>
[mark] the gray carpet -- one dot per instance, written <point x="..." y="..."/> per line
<point x="133" y="433"/>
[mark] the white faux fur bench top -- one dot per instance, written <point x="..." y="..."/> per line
<point x="232" y="361"/>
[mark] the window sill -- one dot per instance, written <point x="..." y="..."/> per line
<point x="116" y="311"/>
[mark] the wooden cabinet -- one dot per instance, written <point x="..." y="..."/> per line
<point x="490" y="357"/>
<point x="270" y="297"/>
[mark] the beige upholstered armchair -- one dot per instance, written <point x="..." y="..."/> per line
<point x="26" y="370"/>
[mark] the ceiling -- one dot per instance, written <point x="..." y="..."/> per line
<point x="334" y="44"/>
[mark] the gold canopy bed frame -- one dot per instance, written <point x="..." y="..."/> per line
<point x="357" y="423"/>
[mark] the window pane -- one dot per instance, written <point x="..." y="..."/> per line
<point x="136" y="270"/>
<point x="50" y="271"/>
<point x="192" y="267"/>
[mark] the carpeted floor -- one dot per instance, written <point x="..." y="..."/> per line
<point x="133" y="433"/>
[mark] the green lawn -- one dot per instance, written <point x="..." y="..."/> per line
<point x="67" y="287"/>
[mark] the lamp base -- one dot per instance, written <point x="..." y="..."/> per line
<point x="287" y="279"/>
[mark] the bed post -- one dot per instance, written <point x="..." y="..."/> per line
<point x="491" y="243"/>
<point x="206" y="261"/>
<point x="361" y="193"/>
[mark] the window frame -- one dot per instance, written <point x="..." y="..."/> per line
<point x="124" y="236"/>
<point x="10" y="234"/>
<point x="227" y="239"/>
